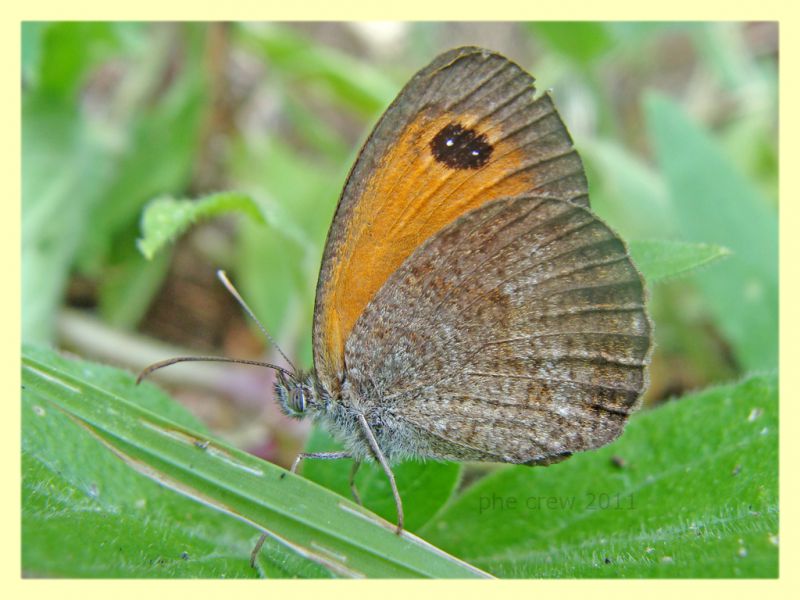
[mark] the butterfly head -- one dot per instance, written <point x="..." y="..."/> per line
<point x="296" y="393"/>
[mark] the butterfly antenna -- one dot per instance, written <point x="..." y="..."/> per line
<point x="179" y="359"/>
<point x="229" y="286"/>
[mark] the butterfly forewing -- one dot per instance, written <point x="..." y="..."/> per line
<point x="517" y="333"/>
<point x="466" y="130"/>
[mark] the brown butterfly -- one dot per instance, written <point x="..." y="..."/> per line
<point x="470" y="306"/>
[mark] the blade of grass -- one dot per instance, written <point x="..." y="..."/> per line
<point x="305" y="517"/>
<point x="425" y="486"/>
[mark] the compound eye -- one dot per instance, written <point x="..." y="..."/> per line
<point x="298" y="399"/>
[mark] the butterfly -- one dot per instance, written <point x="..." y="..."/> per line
<point x="470" y="306"/>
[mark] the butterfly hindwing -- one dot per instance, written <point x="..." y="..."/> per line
<point x="517" y="333"/>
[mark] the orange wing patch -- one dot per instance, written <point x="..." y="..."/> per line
<point x="439" y="168"/>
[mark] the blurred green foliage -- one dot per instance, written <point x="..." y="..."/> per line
<point x="676" y="122"/>
<point x="102" y="135"/>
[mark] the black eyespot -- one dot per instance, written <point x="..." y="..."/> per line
<point x="461" y="148"/>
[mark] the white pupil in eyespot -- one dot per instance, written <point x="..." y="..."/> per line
<point x="449" y="142"/>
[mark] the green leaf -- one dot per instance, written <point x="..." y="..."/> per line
<point x="344" y="80"/>
<point x="581" y="41"/>
<point x="68" y="51"/>
<point x="229" y="486"/>
<point x="626" y="192"/>
<point x="715" y="204"/>
<point x="315" y="131"/>
<point x="127" y="290"/>
<point x="87" y="171"/>
<point x="65" y="167"/>
<point x="108" y="520"/>
<point x="169" y="120"/>
<point x="689" y="490"/>
<point x="662" y="259"/>
<point x="424" y="487"/>
<point x="166" y="218"/>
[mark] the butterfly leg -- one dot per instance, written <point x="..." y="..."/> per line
<point x="353" y="488"/>
<point x="320" y="455"/>
<point x="256" y="550"/>
<point x="334" y="455"/>
<point x="376" y="450"/>
<point x="295" y="464"/>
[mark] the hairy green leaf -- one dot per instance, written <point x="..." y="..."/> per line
<point x="689" y="490"/>
<point x="166" y="218"/>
